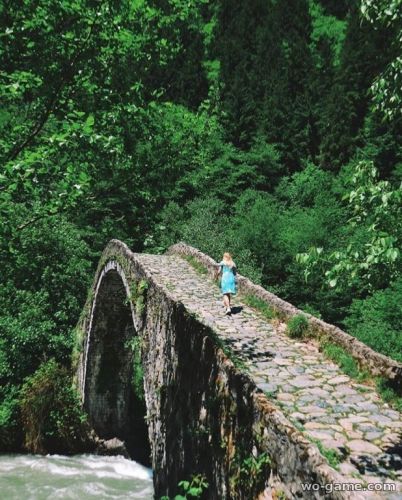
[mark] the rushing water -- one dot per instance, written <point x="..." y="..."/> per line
<point x="34" y="477"/>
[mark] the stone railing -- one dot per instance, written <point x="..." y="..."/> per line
<point x="377" y="364"/>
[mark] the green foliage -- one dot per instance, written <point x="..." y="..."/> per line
<point x="297" y="326"/>
<point x="46" y="270"/>
<point x="198" y="266"/>
<point x="204" y="224"/>
<point x="138" y="293"/>
<point x="249" y="472"/>
<point x="333" y="456"/>
<point x="377" y="320"/>
<point x="194" y="488"/>
<point x="213" y="123"/>
<point x="10" y="420"/>
<point x="51" y="412"/>
<point x="349" y="366"/>
<point x="310" y="310"/>
<point x="345" y="361"/>
<point x="253" y="467"/>
<point x="308" y="188"/>
<point x="327" y="28"/>
<point x="137" y="379"/>
<point x="376" y="215"/>
<point x="388" y="394"/>
<point x="386" y="88"/>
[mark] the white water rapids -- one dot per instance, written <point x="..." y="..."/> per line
<point x="35" y="477"/>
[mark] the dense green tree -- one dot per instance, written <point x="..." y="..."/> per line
<point x="386" y="88"/>
<point x="365" y="53"/>
<point x="376" y="320"/>
<point x="265" y="62"/>
<point x="368" y="255"/>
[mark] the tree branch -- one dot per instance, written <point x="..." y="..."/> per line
<point x="66" y="77"/>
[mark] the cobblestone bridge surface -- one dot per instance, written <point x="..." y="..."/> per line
<point x="312" y="392"/>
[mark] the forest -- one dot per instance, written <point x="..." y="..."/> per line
<point x="271" y="132"/>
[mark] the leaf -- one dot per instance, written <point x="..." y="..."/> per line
<point x="89" y="122"/>
<point x="184" y="484"/>
<point x="194" y="492"/>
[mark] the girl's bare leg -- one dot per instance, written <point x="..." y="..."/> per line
<point x="226" y="300"/>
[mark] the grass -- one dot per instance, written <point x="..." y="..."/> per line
<point x="260" y="305"/>
<point x="297" y="326"/>
<point x="237" y="361"/>
<point x="349" y="366"/>
<point x="388" y="394"/>
<point x="333" y="457"/>
<point x="271" y="395"/>
<point x="345" y="361"/>
<point x="197" y="266"/>
<point x="170" y="286"/>
<point x="299" y="426"/>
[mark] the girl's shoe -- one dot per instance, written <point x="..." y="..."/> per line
<point x="228" y="311"/>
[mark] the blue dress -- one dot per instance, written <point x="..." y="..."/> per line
<point x="228" y="280"/>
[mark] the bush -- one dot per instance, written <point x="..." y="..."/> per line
<point x="297" y="326"/>
<point x="377" y="321"/>
<point x="52" y="418"/>
<point x="137" y="380"/>
<point x="44" y="286"/>
<point x="388" y="393"/>
<point x="10" y="421"/>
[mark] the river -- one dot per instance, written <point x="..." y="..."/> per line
<point x="35" y="477"/>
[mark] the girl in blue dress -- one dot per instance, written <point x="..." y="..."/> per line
<point x="227" y="268"/>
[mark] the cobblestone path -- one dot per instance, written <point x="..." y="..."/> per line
<point x="312" y="392"/>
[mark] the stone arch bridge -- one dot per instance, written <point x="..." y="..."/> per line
<point x="258" y="414"/>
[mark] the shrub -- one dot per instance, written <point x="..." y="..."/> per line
<point x="388" y="394"/>
<point x="10" y="424"/>
<point x="193" y="488"/>
<point x="42" y="291"/>
<point x="377" y="320"/>
<point x="52" y="418"/>
<point x="205" y="224"/>
<point x="307" y="308"/>
<point x="297" y="326"/>
<point x="137" y="380"/>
